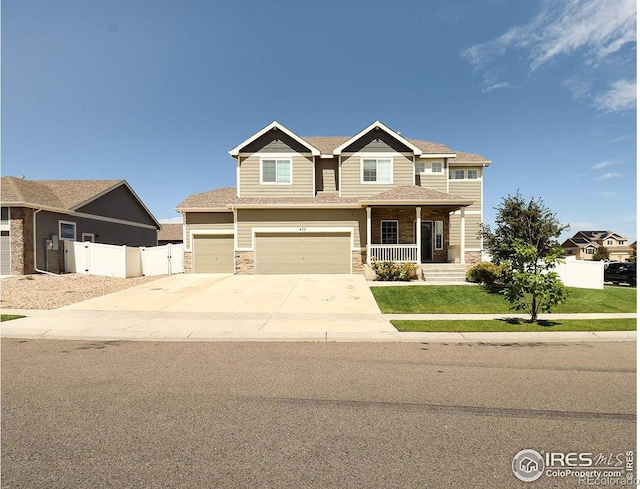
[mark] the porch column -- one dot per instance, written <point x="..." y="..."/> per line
<point x="462" y="235"/>
<point x="419" y="233"/>
<point x="368" y="234"/>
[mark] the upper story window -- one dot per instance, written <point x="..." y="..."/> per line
<point x="472" y="174"/>
<point x="621" y="243"/>
<point x="421" y="167"/>
<point x="436" y="167"/>
<point x="377" y="170"/>
<point x="457" y="174"/>
<point x="275" y="170"/>
<point x="609" y="242"/>
<point x="463" y="174"/>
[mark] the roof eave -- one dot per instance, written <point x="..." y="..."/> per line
<point x="418" y="202"/>
<point x="416" y="151"/>
<point x="274" y="125"/>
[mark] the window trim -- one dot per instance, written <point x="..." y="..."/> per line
<point x="397" y="231"/>
<point x="377" y="159"/>
<point x="276" y="159"/>
<point x="92" y="235"/>
<point x="441" y="167"/>
<point x="469" y="174"/>
<point x="422" y="172"/>
<point x="70" y="223"/>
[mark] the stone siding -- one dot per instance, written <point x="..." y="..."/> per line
<point x="21" y="230"/>
<point x="244" y="263"/>
<point x="187" y="262"/>
<point x="472" y="257"/>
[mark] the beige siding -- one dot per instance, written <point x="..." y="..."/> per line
<point x="434" y="181"/>
<point x="472" y="226"/>
<point x="307" y="218"/>
<point x="302" y="178"/>
<point x="471" y="189"/>
<point x="303" y="253"/>
<point x="207" y="221"/>
<point x="351" y="175"/>
<point x="326" y="175"/>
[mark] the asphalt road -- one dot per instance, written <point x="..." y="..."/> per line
<point x="321" y="415"/>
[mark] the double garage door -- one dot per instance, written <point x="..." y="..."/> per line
<point x="303" y="253"/>
<point x="286" y="253"/>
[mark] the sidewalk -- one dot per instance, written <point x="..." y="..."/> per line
<point x="186" y="326"/>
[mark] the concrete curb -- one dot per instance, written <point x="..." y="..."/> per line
<point x="162" y="326"/>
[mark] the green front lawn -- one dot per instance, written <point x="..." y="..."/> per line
<point x="9" y="317"/>
<point x="469" y="299"/>
<point x="499" y="325"/>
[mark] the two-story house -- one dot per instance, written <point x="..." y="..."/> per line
<point x="584" y="244"/>
<point x="331" y="204"/>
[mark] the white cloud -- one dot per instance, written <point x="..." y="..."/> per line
<point x="609" y="176"/>
<point x="620" y="96"/>
<point x="172" y="220"/>
<point x="603" y="164"/>
<point x="596" y="30"/>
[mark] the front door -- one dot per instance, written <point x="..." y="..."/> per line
<point x="426" y="242"/>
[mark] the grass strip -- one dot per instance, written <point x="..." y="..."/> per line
<point x="514" y="325"/>
<point x="468" y="299"/>
<point x="9" y="317"/>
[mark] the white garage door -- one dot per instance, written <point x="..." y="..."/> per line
<point x="5" y="253"/>
<point x="213" y="254"/>
<point x="303" y="252"/>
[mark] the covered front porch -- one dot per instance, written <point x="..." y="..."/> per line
<point x="417" y="234"/>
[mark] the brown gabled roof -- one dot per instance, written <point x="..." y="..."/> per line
<point x="170" y="232"/>
<point x="213" y="199"/>
<point x="224" y="199"/>
<point x="326" y="144"/>
<point x="413" y="194"/>
<point x="468" y="158"/>
<point x="60" y="194"/>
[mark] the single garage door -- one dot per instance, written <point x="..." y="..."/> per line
<point x="5" y="253"/>
<point x="213" y="253"/>
<point x="303" y="253"/>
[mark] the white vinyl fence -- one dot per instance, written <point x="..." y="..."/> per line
<point x="122" y="261"/>
<point x="163" y="260"/>
<point x="584" y="274"/>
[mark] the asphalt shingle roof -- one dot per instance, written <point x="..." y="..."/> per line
<point x="61" y="194"/>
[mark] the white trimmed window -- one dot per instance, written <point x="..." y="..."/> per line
<point x="436" y="167"/>
<point x="277" y="170"/>
<point x="457" y="175"/>
<point x="389" y="232"/>
<point x="67" y="230"/>
<point x="421" y="167"/>
<point x="472" y="174"/>
<point x="439" y="235"/>
<point x="589" y="251"/>
<point x="377" y="170"/>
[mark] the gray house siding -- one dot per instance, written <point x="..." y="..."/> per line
<point x="377" y="142"/>
<point x="104" y="232"/>
<point x="275" y="142"/>
<point x="120" y="203"/>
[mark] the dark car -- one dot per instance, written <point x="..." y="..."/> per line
<point x="621" y="272"/>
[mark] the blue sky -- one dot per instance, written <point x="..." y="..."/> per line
<point x="156" y="92"/>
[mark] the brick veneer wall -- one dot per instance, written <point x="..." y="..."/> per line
<point x="406" y="217"/>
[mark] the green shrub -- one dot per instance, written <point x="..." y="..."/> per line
<point x="392" y="271"/>
<point x="486" y="273"/>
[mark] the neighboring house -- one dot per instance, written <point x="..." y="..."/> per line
<point x="584" y="244"/>
<point x="39" y="216"/>
<point x="331" y="204"/>
<point x="170" y="233"/>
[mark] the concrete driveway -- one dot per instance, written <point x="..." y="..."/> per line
<point x="222" y="293"/>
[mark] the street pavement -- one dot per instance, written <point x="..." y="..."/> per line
<point x="105" y="414"/>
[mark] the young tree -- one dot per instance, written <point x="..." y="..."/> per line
<point x="525" y="240"/>
<point x="601" y="254"/>
<point x="531" y="222"/>
<point x="534" y="286"/>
